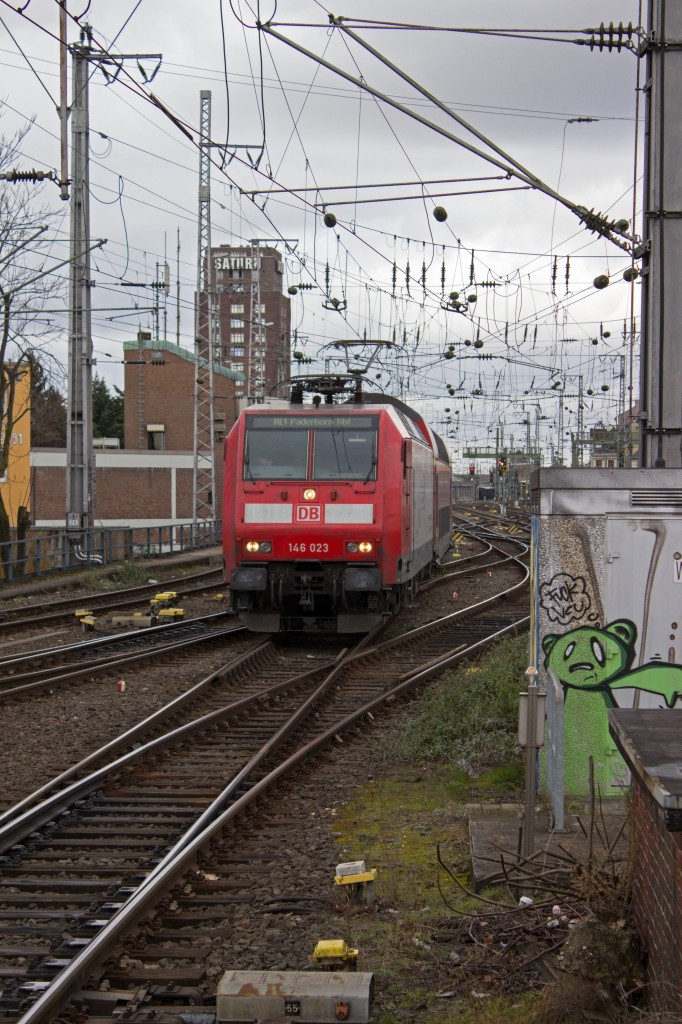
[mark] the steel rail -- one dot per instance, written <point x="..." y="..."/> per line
<point x="185" y="850"/>
<point x="141" y="587"/>
<point x="485" y="534"/>
<point x="507" y="558"/>
<point x="100" y="602"/>
<point x="131" y="638"/>
<point x="493" y="518"/>
<point x="478" y="554"/>
<point x="145" y="897"/>
<point x="118" y="663"/>
<point x="113" y="639"/>
<point x="132" y="734"/>
<point x="18" y="828"/>
<point x="485" y="517"/>
<point x="497" y="524"/>
<point x="469" y="571"/>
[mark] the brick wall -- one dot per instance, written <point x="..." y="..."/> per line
<point x="651" y="743"/>
<point x="131" y="486"/>
<point x="48" y="492"/>
<point x="657" y="900"/>
<point x="164" y="395"/>
<point x="236" y="302"/>
<point x="184" y="484"/>
<point x="125" y="493"/>
<point x="135" y="484"/>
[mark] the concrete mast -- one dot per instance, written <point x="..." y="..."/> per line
<point x="661" y="352"/>
<point x="80" y="463"/>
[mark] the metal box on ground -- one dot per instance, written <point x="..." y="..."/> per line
<point x="317" y="997"/>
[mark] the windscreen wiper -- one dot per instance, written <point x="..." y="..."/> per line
<point x="370" y="470"/>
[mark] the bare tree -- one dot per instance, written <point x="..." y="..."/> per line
<point x="26" y="286"/>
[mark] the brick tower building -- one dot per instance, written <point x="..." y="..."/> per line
<point x="159" y="396"/>
<point x="150" y="480"/>
<point x="252" y="316"/>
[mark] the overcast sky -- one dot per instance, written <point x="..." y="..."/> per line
<point x="527" y="258"/>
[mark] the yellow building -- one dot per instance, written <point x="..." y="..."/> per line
<point x="15" y="483"/>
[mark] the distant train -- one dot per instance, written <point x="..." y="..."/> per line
<point x="333" y="510"/>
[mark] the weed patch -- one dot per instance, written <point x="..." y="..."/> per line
<point x="130" y="574"/>
<point x="470" y="716"/>
<point x="442" y="954"/>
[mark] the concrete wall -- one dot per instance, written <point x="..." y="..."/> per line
<point x="609" y="611"/>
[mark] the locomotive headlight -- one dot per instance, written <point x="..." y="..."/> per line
<point x="351" y="547"/>
<point x="365" y="547"/>
<point x="309" y="494"/>
<point x="253" y="546"/>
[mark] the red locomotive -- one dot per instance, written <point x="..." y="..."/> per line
<point x="333" y="511"/>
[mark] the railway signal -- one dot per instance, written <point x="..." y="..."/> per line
<point x="502" y="465"/>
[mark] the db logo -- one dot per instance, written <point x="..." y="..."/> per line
<point x="308" y="513"/>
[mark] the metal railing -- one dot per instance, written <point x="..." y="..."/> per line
<point x="43" y="552"/>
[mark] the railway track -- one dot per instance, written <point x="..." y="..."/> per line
<point x="515" y="521"/>
<point x="62" y="609"/>
<point x="160" y="804"/>
<point x="493" y="556"/>
<point x="29" y="673"/>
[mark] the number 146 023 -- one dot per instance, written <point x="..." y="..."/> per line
<point x="308" y="548"/>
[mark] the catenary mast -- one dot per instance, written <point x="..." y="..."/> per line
<point x="661" y="352"/>
<point x="203" y="490"/>
<point x="80" y="464"/>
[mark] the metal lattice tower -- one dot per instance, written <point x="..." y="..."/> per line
<point x="580" y="423"/>
<point x="203" y="492"/>
<point x="623" y="426"/>
<point x="256" y="360"/>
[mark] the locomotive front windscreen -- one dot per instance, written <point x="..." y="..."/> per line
<point x="276" y="455"/>
<point x="310" y="447"/>
<point x="344" y="455"/>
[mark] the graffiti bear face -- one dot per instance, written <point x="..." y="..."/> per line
<point x="586" y="658"/>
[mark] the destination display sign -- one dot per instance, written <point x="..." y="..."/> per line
<point x="320" y="422"/>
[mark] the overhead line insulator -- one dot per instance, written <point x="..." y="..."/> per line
<point x="33" y="175"/>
